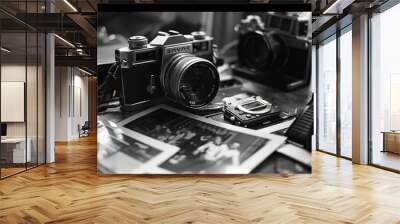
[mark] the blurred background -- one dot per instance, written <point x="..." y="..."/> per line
<point x="114" y="28"/>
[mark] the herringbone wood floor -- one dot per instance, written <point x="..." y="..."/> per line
<point x="70" y="191"/>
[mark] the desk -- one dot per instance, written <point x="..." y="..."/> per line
<point x="13" y="150"/>
<point x="287" y="101"/>
<point x="391" y="141"/>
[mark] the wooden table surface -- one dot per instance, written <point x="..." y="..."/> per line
<point x="287" y="101"/>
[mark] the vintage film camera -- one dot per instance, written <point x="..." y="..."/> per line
<point x="181" y="67"/>
<point x="249" y="111"/>
<point x="275" y="50"/>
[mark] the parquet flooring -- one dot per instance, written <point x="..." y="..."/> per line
<point x="70" y="191"/>
<point x="10" y="171"/>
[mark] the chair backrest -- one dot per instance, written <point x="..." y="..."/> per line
<point x="86" y="125"/>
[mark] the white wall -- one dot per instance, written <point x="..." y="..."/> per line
<point x="80" y="97"/>
<point x="17" y="73"/>
<point x="14" y="72"/>
<point x="61" y="103"/>
<point x="12" y="101"/>
<point x="71" y="102"/>
<point x="34" y="125"/>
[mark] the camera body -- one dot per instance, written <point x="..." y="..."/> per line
<point x="275" y="50"/>
<point x="148" y="70"/>
<point x="250" y="111"/>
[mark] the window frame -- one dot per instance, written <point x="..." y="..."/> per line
<point x="381" y="9"/>
<point x="339" y="32"/>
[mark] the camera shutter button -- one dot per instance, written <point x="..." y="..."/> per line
<point x="137" y="42"/>
<point x="173" y="32"/>
<point x="161" y="33"/>
<point x="189" y="37"/>
<point x="199" y="35"/>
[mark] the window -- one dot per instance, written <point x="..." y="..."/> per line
<point x="22" y="75"/>
<point x="327" y="96"/>
<point x="385" y="85"/>
<point x="394" y="111"/>
<point x="346" y="92"/>
<point x="334" y="106"/>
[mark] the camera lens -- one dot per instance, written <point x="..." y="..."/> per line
<point x="190" y="80"/>
<point x="262" y="51"/>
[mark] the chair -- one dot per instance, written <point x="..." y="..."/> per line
<point x="84" y="130"/>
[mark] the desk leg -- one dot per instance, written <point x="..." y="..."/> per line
<point x="384" y="143"/>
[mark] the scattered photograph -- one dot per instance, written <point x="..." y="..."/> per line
<point x="119" y="153"/>
<point x="206" y="146"/>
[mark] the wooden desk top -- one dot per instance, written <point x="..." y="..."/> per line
<point x="14" y="140"/>
<point x="287" y="101"/>
<point x="391" y="132"/>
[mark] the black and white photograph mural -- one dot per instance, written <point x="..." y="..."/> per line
<point x="204" y="92"/>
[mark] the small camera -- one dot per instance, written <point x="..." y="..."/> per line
<point x="248" y="111"/>
<point x="274" y="49"/>
<point x="181" y="67"/>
